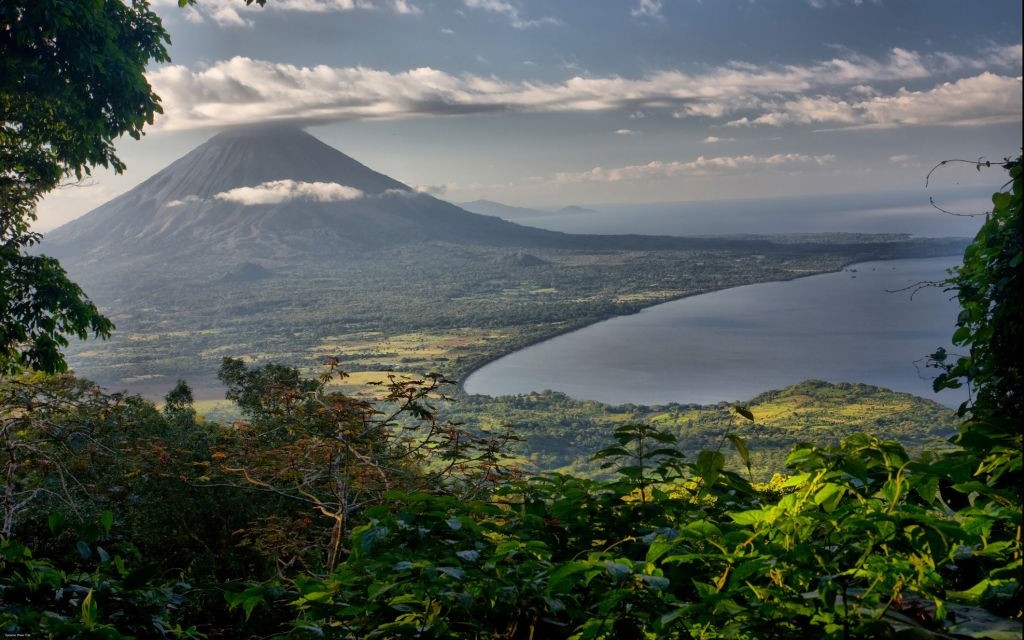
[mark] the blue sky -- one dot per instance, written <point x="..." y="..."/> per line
<point x="557" y="102"/>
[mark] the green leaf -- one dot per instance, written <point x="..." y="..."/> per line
<point x="661" y="436"/>
<point x="56" y="522"/>
<point x="454" y="572"/>
<point x="1001" y="200"/>
<point x="658" y="548"/>
<point x="709" y="465"/>
<point x="752" y="516"/>
<point x="618" y="570"/>
<point x="741" y="448"/>
<point x="564" y="577"/>
<point x="701" y="529"/>
<point x="89" y="611"/>
<point x="829" y="496"/>
<point x="248" y="599"/>
<point x="315" y="596"/>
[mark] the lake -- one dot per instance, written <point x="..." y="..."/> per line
<point x="733" y="344"/>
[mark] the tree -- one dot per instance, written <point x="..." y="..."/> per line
<point x="990" y="288"/>
<point x="72" y="81"/>
<point x="333" y="456"/>
<point x="988" y="468"/>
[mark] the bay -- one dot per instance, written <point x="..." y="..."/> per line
<point x="848" y="326"/>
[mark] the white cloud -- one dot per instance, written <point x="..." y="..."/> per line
<point x="185" y="200"/>
<point x="278" y="191"/>
<point x="716" y="140"/>
<point x="192" y="15"/>
<point x="428" y="189"/>
<point x="837" y="90"/>
<point x="905" y="160"/>
<point x="626" y="132"/>
<point x="1001" y="56"/>
<point x="403" y="7"/>
<point x="648" y="9"/>
<point x="227" y="12"/>
<point x="701" y="166"/>
<point x="1011" y="55"/>
<point x="225" y="15"/>
<point x="510" y="12"/>
<point x="983" y="99"/>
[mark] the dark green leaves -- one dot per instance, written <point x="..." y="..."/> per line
<point x="39" y="307"/>
<point x="73" y="82"/>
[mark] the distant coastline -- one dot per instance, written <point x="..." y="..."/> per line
<point x="854" y="265"/>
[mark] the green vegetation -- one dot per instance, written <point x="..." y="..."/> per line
<point x="72" y="83"/>
<point x="318" y="514"/>
<point x="560" y="433"/>
<point x="413" y="308"/>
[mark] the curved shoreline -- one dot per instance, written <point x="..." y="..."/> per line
<point x="461" y="381"/>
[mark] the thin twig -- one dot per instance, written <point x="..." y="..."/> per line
<point x="952" y="213"/>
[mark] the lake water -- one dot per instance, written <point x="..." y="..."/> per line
<point x="733" y="344"/>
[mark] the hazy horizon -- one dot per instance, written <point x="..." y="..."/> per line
<point x="634" y="102"/>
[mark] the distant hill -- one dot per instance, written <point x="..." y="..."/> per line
<point x="509" y="212"/>
<point x="247" y="272"/>
<point x="575" y="209"/>
<point x="521" y="259"/>
<point x="499" y="210"/>
<point x="561" y="433"/>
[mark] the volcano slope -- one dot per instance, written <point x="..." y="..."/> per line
<point x="267" y="244"/>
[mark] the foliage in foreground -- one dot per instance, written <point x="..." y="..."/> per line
<point x="857" y="543"/>
<point x="320" y="515"/>
<point x="73" y="81"/>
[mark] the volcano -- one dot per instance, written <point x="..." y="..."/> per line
<point x="275" y="191"/>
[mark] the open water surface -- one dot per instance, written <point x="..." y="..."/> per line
<point x="733" y="344"/>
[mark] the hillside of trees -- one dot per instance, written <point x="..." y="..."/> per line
<point x="559" y="433"/>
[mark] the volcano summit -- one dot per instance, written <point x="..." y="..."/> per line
<point x="274" y="191"/>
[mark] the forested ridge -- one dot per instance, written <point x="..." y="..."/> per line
<point x="560" y="433"/>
